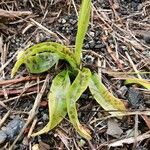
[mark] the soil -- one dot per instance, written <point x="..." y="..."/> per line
<point x="118" y="35"/>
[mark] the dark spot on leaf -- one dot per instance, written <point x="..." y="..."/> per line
<point x="72" y="116"/>
<point x="65" y="109"/>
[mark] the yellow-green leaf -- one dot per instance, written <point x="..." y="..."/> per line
<point x="79" y="85"/>
<point x="62" y="51"/>
<point x="41" y="62"/>
<point x="83" y="23"/>
<point x="106" y="100"/>
<point x="57" y="101"/>
<point x="141" y="82"/>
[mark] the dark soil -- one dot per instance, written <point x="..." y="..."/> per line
<point x="117" y="28"/>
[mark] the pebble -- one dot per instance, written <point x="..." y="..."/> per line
<point x="135" y="98"/>
<point x="147" y="39"/>
<point x="63" y="20"/>
<point x="92" y="44"/>
<point x="91" y="34"/>
<point x="122" y="91"/>
<point x="98" y="46"/>
<point x="3" y="136"/>
<point x="12" y="129"/>
<point x="88" y="59"/>
<point x="45" y="117"/>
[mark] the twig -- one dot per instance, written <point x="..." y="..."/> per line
<point x="21" y="79"/>
<point x="133" y="66"/>
<point x="16" y="97"/>
<point x="14" y="92"/>
<point x="129" y="140"/>
<point x="33" y="111"/>
<point x="32" y="128"/>
<point x="75" y="8"/>
<point x="4" y="118"/>
<point x="12" y="14"/>
<point x="45" y="29"/>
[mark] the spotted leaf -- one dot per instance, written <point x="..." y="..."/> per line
<point x="106" y="100"/>
<point x="57" y="101"/>
<point x="41" y="62"/>
<point x="79" y="85"/>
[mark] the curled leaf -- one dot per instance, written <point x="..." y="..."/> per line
<point x="57" y="101"/>
<point x="79" y="85"/>
<point x="107" y="101"/>
<point x="141" y="82"/>
<point x="50" y="47"/>
<point x="41" y="62"/>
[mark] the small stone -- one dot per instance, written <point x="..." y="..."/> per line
<point x="122" y="91"/>
<point x="147" y="39"/>
<point x="92" y="44"/>
<point x="135" y="98"/>
<point x="3" y="136"/>
<point x="92" y="34"/>
<point x="59" y="20"/>
<point x="63" y="21"/>
<point x="98" y="46"/>
<point x="89" y="59"/>
<point x="45" y="117"/>
<point x="14" y="127"/>
<point x="87" y="46"/>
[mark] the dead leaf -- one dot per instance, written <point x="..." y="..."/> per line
<point x="43" y="146"/>
<point x="113" y="128"/>
<point x="64" y="139"/>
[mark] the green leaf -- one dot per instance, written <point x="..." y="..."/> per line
<point x="107" y="101"/>
<point x="57" y="101"/>
<point x="141" y="82"/>
<point x="83" y="23"/>
<point x="41" y="62"/>
<point x="62" y="51"/>
<point x="79" y="85"/>
<point x="16" y="67"/>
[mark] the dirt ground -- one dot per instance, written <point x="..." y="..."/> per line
<point x="118" y="36"/>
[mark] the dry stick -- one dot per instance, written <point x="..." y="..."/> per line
<point x="112" y="54"/>
<point x="3" y="105"/>
<point x="45" y="29"/>
<point x="135" y="131"/>
<point x="91" y="145"/>
<point x="22" y="93"/>
<point x="129" y="140"/>
<point x="75" y="8"/>
<point x="16" y="97"/>
<point x="133" y="66"/>
<point x="97" y="13"/>
<point x="4" y="118"/>
<point x="147" y="112"/>
<point x="32" y="113"/>
<point x="32" y="127"/>
<point x="12" y="14"/>
<point x="14" y="92"/>
<point x="21" y="79"/>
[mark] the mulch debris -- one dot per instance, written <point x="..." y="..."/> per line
<point x="118" y="35"/>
